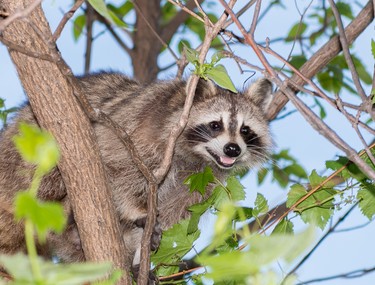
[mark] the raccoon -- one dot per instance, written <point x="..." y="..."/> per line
<point x="226" y="131"/>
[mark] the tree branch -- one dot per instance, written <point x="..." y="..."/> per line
<point x="325" y="54"/>
<point x="345" y="47"/>
<point x="65" y="19"/>
<point x="58" y="111"/>
<point x="348" y="275"/>
<point x="90" y="18"/>
<point x="330" y="230"/>
<point x="170" y="29"/>
<point x="18" y="14"/>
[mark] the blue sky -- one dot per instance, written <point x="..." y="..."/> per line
<point x="341" y="252"/>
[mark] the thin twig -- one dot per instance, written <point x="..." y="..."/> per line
<point x="348" y="275"/>
<point x="325" y="54"/>
<point x="349" y="61"/>
<point x="187" y="10"/>
<point x="154" y="32"/>
<point x="90" y="18"/>
<point x="330" y="230"/>
<point x="309" y="116"/>
<point x="355" y="126"/>
<point x="65" y="19"/>
<point x="318" y="91"/>
<point x="176" y="131"/>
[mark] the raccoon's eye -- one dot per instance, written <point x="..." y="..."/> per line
<point x="215" y="126"/>
<point x="245" y="130"/>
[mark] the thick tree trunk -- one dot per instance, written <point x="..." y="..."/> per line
<point x="146" y="44"/>
<point x="58" y="111"/>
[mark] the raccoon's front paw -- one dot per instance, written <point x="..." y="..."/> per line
<point x="156" y="233"/>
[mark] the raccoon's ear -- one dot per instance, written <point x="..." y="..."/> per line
<point x="260" y="92"/>
<point x="205" y="89"/>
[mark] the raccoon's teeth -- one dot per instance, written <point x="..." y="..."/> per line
<point x="227" y="160"/>
<point x="222" y="161"/>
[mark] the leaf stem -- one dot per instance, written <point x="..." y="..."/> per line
<point x="31" y="250"/>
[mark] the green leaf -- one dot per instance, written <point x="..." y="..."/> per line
<point x="196" y="27"/>
<point x="236" y="189"/>
<point x="331" y="80"/>
<point x="280" y="176"/>
<point x="79" y="24"/>
<point x="242" y="265"/>
<point x="223" y="224"/>
<point x="44" y="215"/>
<point x="169" y="11"/>
<point x="102" y="9"/>
<point x="37" y="146"/>
<point x="296" y="170"/>
<point x="175" y="244"/>
<point x="373" y="48"/>
<point x="296" y="31"/>
<point x="18" y="266"/>
<point x="262" y="173"/>
<point x="220" y="76"/>
<point x="317" y="208"/>
<point x="199" y="181"/>
<point x="216" y="57"/>
<point x="191" y="54"/>
<point x="361" y="70"/>
<point x="232" y="192"/>
<point x="122" y="10"/>
<point x="350" y="169"/>
<point x="284" y="227"/>
<point x="197" y="210"/>
<point x="182" y="44"/>
<point x="261" y="205"/>
<point x="298" y="60"/>
<point x="322" y="111"/>
<point x="366" y="197"/>
<point x="283" y="155"/>
<point x="345" y="10"/>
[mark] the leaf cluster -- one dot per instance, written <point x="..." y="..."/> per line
<point x="212" y="70"/>
<point x="38" y="147"/>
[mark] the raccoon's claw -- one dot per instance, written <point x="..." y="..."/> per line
<point x="156" y="234"/>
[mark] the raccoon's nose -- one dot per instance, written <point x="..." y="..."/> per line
<point x="232" y="150"/>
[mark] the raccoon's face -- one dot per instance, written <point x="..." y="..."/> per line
<point x="231" y="130"/>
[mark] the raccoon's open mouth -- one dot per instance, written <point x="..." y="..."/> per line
<point x="222" y="161"/>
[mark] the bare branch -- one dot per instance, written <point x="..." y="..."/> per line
<point x="309" y="116"/>
<point x="90" y="18"/>
<point x="330" y="230"/>
<point x="154" y="32"/>
<point x="348" y="275"/>
<point x="65" y="19"/>
<point x="349" y="61"/>
<point x="326" y="53"/>
<point x="210" y="35"/>
<point x="187" y="9"/>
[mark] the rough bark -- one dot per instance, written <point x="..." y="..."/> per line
<point x="146" y="44"/>
<point x="58" y="111"/>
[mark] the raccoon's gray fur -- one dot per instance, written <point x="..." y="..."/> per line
<point x="225" y="130"/>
